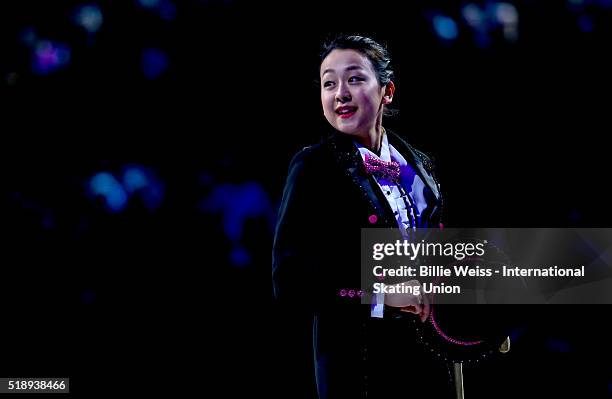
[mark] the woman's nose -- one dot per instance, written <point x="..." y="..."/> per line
<point x="343" y="94"/>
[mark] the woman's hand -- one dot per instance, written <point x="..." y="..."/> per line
<point x="411" y="301"/>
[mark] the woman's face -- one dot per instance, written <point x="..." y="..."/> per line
<point x="351" y="96"/>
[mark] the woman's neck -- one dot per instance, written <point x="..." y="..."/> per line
<point x="373" y="139"/>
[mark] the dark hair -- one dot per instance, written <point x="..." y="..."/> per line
<point x="377" y="54"/>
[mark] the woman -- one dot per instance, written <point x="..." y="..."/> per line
<point x="363" y="175"/>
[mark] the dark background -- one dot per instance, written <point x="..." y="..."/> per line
<point x="143" y="162"/>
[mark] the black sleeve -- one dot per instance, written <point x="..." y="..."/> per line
<point x="293" y="279"/>
<point x="293" y="260"/>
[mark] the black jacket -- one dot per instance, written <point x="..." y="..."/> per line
<point x="328" y="198"/>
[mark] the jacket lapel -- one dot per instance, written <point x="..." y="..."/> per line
<point x="424" y="171"/>
<point x="347" y="155"/>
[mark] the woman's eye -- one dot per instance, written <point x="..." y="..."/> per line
<point x="356" y="79"/>
<point x="328" y="83"/>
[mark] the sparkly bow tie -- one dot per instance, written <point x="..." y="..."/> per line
<point x="382" y="169"/>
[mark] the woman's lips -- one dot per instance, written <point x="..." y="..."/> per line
<point x="347" y="115"/>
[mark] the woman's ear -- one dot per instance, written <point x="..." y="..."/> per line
<point x="389" y="90"/>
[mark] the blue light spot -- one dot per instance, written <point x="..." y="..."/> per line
<point x="48" y="57"/>
<point x="134" y="178"/>
<point x="89" y="17"/>
<point x="140" y="181"/>
<point x="238" y="203"/>
<point x="154" y="63"/>
<point x="240" y="257"/>
<point x="105" y="185"/>
<point x="474" y="16"/>
<point x="445" y="27"/>
<point x="148" y="3"/>
<point x="506" y="14"/>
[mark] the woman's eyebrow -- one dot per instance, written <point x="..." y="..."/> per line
<point x="349" y="68"/>
<point x="353" y="67"/>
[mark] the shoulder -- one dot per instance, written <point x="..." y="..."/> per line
<point x="306" y="176"/>
<point x="426" y="160"/>
<point x="312" y="157"/>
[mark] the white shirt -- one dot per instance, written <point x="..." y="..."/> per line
<point x="407" y="202"/>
